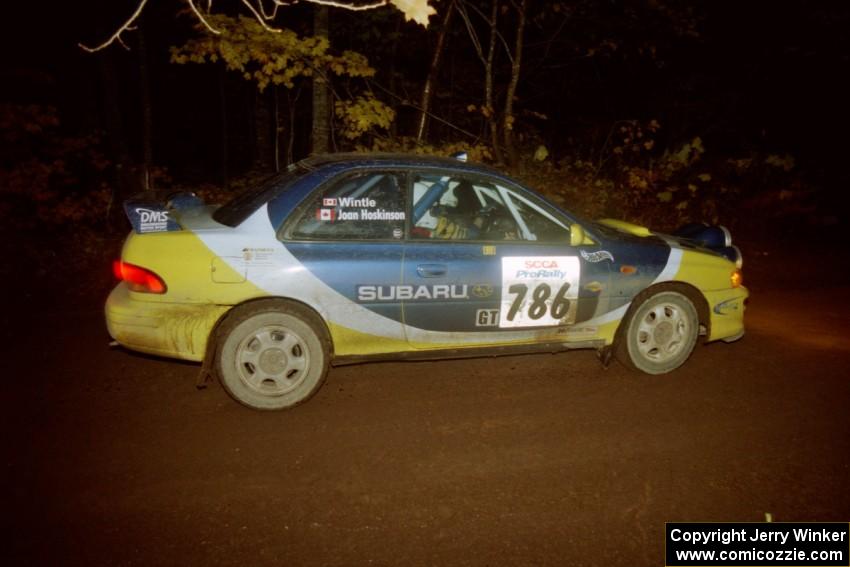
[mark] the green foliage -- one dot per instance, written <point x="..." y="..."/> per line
<point x="785" y="163"/>
<point x="54" y="199"/>
<point x="266" y="57"/>
<point x="362" y="114"/>
<point x="48" y="179"/>
<point x="281" y="58"/>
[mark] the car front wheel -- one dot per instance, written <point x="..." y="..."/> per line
<point x="659" y="333"/>
<point x="272" y="355"/>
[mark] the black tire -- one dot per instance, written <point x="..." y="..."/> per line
<point x="272" y="354"/>
<point x="659" y="332"/>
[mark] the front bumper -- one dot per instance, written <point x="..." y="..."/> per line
<point x="727" y="313"/>
<point x="176" y="330"/>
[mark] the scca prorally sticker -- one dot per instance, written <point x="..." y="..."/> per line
<point x="539" y="290"/>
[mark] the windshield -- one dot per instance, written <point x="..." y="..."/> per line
<point x="244" y="203"/>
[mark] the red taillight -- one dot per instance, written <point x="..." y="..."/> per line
<point x="138" y="278"/>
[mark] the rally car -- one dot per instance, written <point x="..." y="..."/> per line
<point x="346" y="258"/>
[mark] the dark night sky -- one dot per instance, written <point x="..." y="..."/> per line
<point x="767" y="76"/>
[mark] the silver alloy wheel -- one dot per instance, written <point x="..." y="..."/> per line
<point x="662" y="332"/>
<point x="659" y="332"/>
<point x="272" y="360"/>
<point x="272" y="354"/>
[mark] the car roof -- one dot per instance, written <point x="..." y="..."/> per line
<point x="394" y="160"/>
<point x="234" y="213"/>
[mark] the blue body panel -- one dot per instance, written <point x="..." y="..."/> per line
<point x="637" y="262"/>
<point x="475" y="277"/>
<point x="444" y="285"/>
<point x="465" y="264"/>
<point x="345" y="266"/>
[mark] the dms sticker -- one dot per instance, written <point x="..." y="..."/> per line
<point x="149" y="217"/>
<point x="539" y="291"/>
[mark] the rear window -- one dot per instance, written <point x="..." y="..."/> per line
<point x="244" y="203"/>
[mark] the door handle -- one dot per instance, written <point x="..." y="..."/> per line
<point x="431" y="270"/>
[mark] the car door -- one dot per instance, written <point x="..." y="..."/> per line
<point x="349" y="238"/>
<point x="488" y="263"/>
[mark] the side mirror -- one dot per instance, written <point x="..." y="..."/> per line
<point x="576" y="235"/>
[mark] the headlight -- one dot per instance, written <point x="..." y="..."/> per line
<point x="737" y="278"/>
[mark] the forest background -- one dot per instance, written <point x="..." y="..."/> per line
<point x="660" y="112"/>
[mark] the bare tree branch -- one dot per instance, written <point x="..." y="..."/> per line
<point x="200" y="16"/>
<point x="259" y="17"/>
<point x="271" y="15"/>
<point x="352" y="7"/>
<point x="473" y="36"/>
<point x="406" y="102"/>
<point x="258" y="10"/>
<point x="117" y="35"/>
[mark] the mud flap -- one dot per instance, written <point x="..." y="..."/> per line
<point x="206" y="375"/>
<point x="605" y="354"/>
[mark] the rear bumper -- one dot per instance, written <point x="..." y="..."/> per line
<point x="726" y="309"/>
<point x="176" y="330"/>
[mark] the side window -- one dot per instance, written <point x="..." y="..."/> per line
<point x="457" y="208"/>
<point x="535" y="221"/>
<point x="364" y="206"/>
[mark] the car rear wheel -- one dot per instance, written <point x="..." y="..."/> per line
<point x="659" y="333"/>
<point x="272" y="355"/>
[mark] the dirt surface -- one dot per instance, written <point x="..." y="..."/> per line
<point x="112" y="458"/>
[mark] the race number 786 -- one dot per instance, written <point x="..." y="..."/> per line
<point x="538" y="307"/>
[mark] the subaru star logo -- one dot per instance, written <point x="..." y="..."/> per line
<point x="482" y="290"/>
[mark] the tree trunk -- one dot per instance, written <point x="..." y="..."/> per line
<point x="126" y="182"/>
<point x="488" y="108"/>
<point x="262" y="132"/>
<point x="147" y="113"/>
<point x="433" y="72"/>
<point x="508" y="123"/>
<point x="392" y="86"/>
<point x="490" y="105"/>
<point x="321" y="95"/>
<point x="276" y="129"/>
<point x="224" y="155"/>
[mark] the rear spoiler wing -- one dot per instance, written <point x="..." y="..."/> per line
<point x="151" y="215"/>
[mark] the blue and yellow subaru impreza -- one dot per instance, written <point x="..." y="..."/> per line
<point x="353" y="257"/>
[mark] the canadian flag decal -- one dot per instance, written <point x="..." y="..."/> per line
<point x="329" y="202"/>
<point x="326" y="214"/>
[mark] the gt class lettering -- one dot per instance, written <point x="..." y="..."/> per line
<point x="487" y="318"/>
<point x="412" y="292"/>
